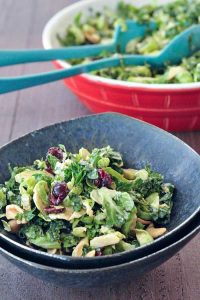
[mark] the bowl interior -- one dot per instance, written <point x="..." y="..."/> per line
<point x="139" y="143"/>
<point x="59" y="22"/>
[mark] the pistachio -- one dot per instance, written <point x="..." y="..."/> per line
<point x="143" y="174"/>
<point x="143" y="237"/>
<point x="133" y="224"/>
<point x="79" y="231"/>
<point x="70" y="185"/>
<point x="113" y="186"/>
<point x="76" y="190"/>
<point x="6" y="225"/>
<point x="88" y="28"/>
<point x="103" y="162"/>
<point x="68" y="162"/>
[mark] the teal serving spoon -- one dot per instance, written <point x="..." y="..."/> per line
<point x="183" y="45"/>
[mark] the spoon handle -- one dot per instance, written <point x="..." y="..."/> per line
<point x="13" y="57"/>
<point x="22" y="82"/>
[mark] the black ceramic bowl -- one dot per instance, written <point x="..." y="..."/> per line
<point x="102" y="276"/>
<point x="140" y="144"/>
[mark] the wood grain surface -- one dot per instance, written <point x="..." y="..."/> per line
<point x="21" y="24"/>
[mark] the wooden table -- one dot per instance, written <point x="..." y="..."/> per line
<point x="21" y="24"/>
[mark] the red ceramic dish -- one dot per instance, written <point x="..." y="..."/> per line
<point x="173" y="107"/>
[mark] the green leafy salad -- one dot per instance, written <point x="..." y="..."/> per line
<point x="85" y="204"/>
<point x="171" y="19"/>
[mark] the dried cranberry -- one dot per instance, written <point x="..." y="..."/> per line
<point x="104" y="179"/>
<point x="98" y="252"/>
<point x="97" y="182"/>
<point x="53" y="210"/>
<point x="49" y="168"/>
<point x="60" y="190"/>
<point x="57" y="152"/>
<point x="59" y="193"/>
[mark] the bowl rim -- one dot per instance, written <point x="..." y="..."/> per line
<point x="120" y="254"/>
<point x="168" y="87"/>
<point x="194" y="232"/>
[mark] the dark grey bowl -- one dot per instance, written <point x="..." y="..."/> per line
<point x="140" y="143"/>
<point x="102" y="276"/>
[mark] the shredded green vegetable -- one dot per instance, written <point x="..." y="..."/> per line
<point x="85" y="204"/>
<point x="171" y="19"/>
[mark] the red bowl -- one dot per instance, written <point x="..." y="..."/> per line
<point x="173" y="107"/>
<point x="167" y="109"/>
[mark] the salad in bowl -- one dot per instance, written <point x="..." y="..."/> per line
<point x="170" y="19"/>
<point x="85" y="204"/>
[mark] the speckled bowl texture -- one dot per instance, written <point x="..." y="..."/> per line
<point x="102" y="276"/>
<point x="140" y="144"/>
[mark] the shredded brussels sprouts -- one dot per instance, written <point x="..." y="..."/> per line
<point x="85" y="204"/>
<point x="171" y="19"/>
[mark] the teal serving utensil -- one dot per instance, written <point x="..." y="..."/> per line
<point x="183" y="45"/>
<point x="118" y="44"/>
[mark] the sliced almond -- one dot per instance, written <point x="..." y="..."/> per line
<point x="91" y="253"/>
<point x="52" y="251"/>
<point x="88" y="208"/>
<point x="173" y="71"/>
<point x="129" y="174"/>
<point x="77" y="214"/>
<point x="11" y="212"/>
<point x="94" y="38"/>
<point x="106" y="240"/>
<point x="63" y="216"/>
<point x="156" y="232"/>
<point x="78" y="250"/>
<point x="67" y="215"/>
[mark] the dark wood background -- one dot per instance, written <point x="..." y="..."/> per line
<point x="21" y="25"/>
